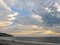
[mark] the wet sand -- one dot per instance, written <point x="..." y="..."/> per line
<point x="23" y="43"/>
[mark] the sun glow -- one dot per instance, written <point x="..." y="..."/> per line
<point x="49" y="32"/>
<point x="5" y="23"/>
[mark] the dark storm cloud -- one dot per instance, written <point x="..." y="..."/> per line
<point x="51" y="20"/>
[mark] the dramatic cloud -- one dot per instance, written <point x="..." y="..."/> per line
<point x="49" y="14"/>
<point x="7" y="13"/>
<point x="51" y="20"/>
<point x="30" y="18"/>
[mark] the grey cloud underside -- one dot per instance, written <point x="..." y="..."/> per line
<point x="50" y="18"/>
<point x="39" y="7"/>
<point x="47" y="17"/>
<point x="28" y="20"/>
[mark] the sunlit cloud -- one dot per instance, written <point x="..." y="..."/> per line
<point x="34" y="33"/>
<point x="12" y="15"/>
<point x="49" y="32"/>
<point x="47" y="9"/>
<point x="4" y="5"/>
<point x="5" y="16"/>
<point x="37" y="17"/>
<point x="21" y="20"/>
<point x="58" y="6"/>
<point x="12" y="18"/>
<point x="23" y="33"/>
<point x="34" y="26"/>
<point x="5" y="23"/>
<point x="27" y="27"/>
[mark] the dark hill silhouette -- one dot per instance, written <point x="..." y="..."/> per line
<point x="5" y="35"/>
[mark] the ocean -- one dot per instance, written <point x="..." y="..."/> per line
<point x="40" y="39"/>
<point x="35" y="40"/>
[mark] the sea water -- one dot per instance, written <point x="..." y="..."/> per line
<point x="40" y="39"/>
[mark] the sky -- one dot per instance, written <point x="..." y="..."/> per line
<point x="32" y="18"/>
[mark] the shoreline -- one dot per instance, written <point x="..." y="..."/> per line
<point x="15" y="42"/>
